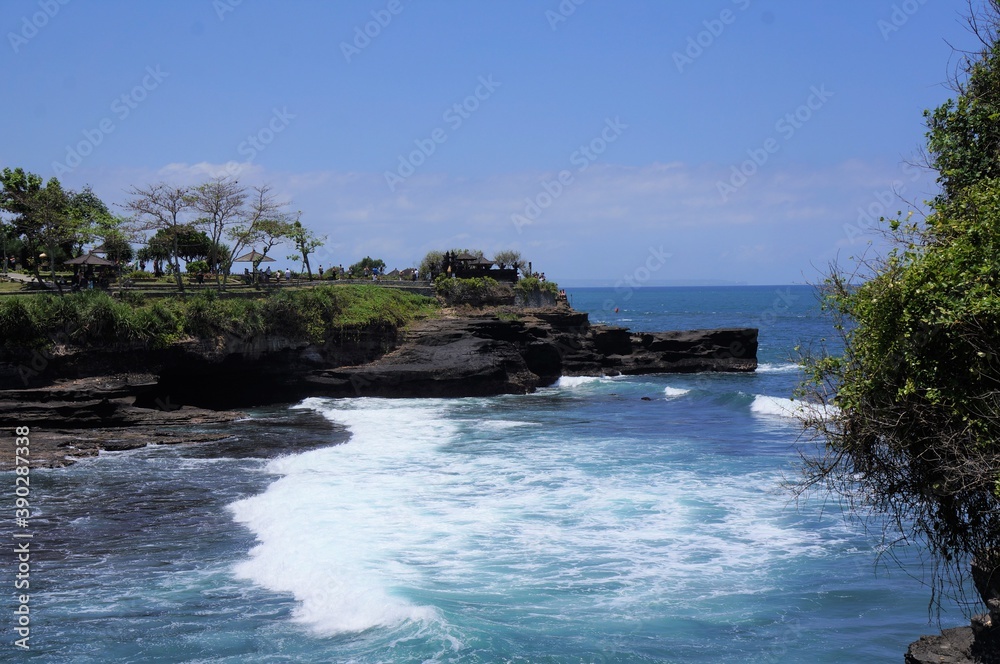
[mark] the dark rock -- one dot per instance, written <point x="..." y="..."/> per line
<point x="612" y="340"/>
<point x="112" y="389"/>
<point x="980" y="642"/>
<point x="952" y="646"/>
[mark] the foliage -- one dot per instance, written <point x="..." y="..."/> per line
<point x="509" y="259"/>
<point x="964" y="134"/>
<point x="117" y="248"/>
<point x="93" y="318"/>
<point x="306" y="242"/>
<point x="43" y="215"/>
<point x="189" y="243"/>
<point x="478" y="291"/>
<point x="261" y="220"/>
<point x="357" y="270"/>
<point x="17" y="327"/>
<point x="194" y="267"/>
<point x="910" y="426"/>
<point x="530" y="285"/>
<point x="432" y="265"/>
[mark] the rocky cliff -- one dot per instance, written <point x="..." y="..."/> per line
<point x="127" y="396"/>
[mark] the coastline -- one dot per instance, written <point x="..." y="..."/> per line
<point x="86" y="400"/>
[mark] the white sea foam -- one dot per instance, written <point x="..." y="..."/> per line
<point x="576" y="381"/>
<point x="502" y="425"/>
<point x="672" y="392"/>
<point x="780" y="407"/>
<point x="328" y="528"/>
<point x="766" y="367"/>
<point x="417" y="502"/>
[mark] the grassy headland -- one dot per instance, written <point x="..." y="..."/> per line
<point x="95" y="318"/>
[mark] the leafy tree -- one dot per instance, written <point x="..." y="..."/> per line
<point x="188" y="242"/>
<point x="432" y="265"/>
<point x="43" y="216"/>
<point x="910" y="426"/>
<point x="117" y="248"/>
<point x="964" y="133"/>
<point x="509" y="259"/>
<point x="358" y="269"/>
<point x="271" y="232"/>
<point x="306" y="242"/>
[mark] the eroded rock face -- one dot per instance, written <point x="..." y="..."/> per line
<point x="476" y="355"/>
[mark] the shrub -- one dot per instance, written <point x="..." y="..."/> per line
<point x="194" y="267"/>
<point x="478" y="291"/>
<point x="17" y="326"/>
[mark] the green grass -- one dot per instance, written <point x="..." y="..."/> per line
<point x="94" y="318"/>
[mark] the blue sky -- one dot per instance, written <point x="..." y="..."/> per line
<point x="598" y="138"/>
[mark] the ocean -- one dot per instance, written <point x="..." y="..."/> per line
<point x="582" y="523"/>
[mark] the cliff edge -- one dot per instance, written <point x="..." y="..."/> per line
<point x="117" y="398"/>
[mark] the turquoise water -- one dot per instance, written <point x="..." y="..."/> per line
<point x="578" y="524"/>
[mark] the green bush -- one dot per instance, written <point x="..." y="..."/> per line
<point x="194" y="267"/>
<point x="529" y="285"/>
<point x="477" y="291"/>
<point x="17" y="326"/>
<point x="95" y="318"/>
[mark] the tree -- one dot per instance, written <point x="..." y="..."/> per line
<point x="43" y="216"/>
<point x="185" y="241"/>
<point x="90" y="216"/>
<point x="117" y="248"/>
<point x="508" y="259"/>
<point x="162" y="207"/>
<point x="306" y="242"/>
<point x="432" y="265"/>
<point x="358" y="269"/>
<point x="271" y="232"/>
<point x="222" y="200"/>
<point x="911" y="427"/>
<point x="964" y="134"/>
<point x="262" y="219"/>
